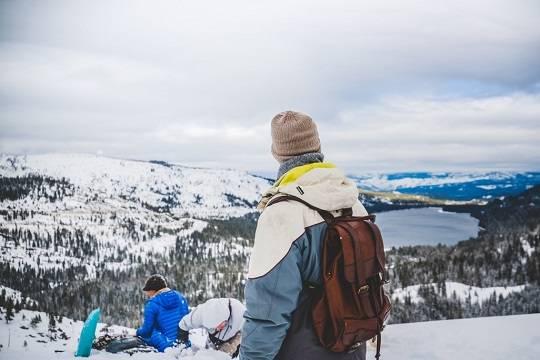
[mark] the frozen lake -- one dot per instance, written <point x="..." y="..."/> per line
<point x="425" y="226"/>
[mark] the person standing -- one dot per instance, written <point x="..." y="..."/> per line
<point x="286" y="258"/>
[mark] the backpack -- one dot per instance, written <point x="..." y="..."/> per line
<point x="351" y="306"/>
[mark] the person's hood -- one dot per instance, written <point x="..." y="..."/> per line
<point x="320" y="184"/>
<point x="167" y="299"/>
<point x="215" y="312"/>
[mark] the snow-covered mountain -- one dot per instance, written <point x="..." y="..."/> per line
<point x="86" y="230"/>
<point x="70" y="220"/>
<point x="451" y="185"/>
<point x="116" y="206"/>
<point x="490" y="338"/>
<point x="180" y="190"/>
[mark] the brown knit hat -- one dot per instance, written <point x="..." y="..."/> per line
<point x="293" y="133"/>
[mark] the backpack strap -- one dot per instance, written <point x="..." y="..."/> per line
<point x="378" y="354"/>
<point x="379" y="245"/>
<point x="325" y="214"/>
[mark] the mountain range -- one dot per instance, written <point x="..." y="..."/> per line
<point x="81" y="231"/>
<point x="451" y="185"/>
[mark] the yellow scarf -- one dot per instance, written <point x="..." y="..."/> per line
<point x="296" y="172"/>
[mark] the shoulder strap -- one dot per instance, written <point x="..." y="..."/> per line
<point x="325" y="214"/>
<point x="378" y="243"/>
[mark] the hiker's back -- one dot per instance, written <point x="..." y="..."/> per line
<point x="286" y="256"/>
<point x="301" y="342"/>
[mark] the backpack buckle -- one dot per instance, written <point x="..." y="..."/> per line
<point x="383" y="279"/>
<point x="355" y="347"/>
<point x="363" y="289"/>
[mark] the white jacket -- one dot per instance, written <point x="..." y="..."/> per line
<point x="210" y="314"/>
<point x="286" y="254"/>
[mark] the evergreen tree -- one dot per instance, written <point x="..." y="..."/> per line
<point x="52" y="321"/>
<point x="35" y="320"/>
<point x="9" y="312"/>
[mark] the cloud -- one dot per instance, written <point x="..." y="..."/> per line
<point x="404" y="133"/>
<point x="419" y="84"/>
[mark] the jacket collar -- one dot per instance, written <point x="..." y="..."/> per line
<point x="320" y="184"/>
<point x="299" y="160"/>
<point x="296" y="172"/>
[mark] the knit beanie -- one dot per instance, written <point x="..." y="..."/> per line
<point x="155" y="282"/>
<point x="293" y="133"/>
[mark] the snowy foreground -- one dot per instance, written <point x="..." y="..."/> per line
<point x="507" y="337"/>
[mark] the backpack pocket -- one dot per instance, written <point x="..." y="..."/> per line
<point x="358" y="330"/>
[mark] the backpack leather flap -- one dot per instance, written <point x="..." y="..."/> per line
<point x="364" y="253"/>
<point x="349" y="256"/>
<point x="379" y="245"/>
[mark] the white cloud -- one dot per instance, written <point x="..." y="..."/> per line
<point x="498" y="132"/>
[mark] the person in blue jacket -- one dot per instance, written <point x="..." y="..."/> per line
<point x="162" y="312"/>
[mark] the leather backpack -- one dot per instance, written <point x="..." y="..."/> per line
<point x="351" y="306"/>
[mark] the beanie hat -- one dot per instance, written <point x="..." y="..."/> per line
<point x="155" y="282"/>
<point x="293" y="133"/>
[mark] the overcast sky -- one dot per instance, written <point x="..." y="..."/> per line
<point x="393" y="85"/>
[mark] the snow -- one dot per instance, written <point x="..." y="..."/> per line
<point x="493" y="338"/>
<point x="487" y="187"/>
<point x="15" y="295"/>
<point x="388" y="182"/>
<point x="462" y="291"/>
<point x="114" y="205"/>
<point x="200" y="192"/>
<point x="464" y="186"/>
<point x="45" y="345"/>
<point x="527" y="248"/>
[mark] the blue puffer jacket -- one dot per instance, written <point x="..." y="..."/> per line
<point x="162" y="313"/>
<point x="286" y="254"/>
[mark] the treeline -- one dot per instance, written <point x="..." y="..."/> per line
<point x="40" y="187"/>
<point x="435" y="306"/>
<point x="205" y="264"/>
<point x="489" y="260"/>
<point x="212" y="262"/>
<point x="506" y="253"/>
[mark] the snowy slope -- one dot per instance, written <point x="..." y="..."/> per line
<point x="15" y="296"/>
<point x="21" y="340"/>
<point x="109" y="211"/>
<point x="196" y="191"/>
<point x="508" y="337"/>
<point x="490" y="338"/>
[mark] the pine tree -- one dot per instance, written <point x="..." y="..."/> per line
<point x="52" y="321"/>
<point x="35" y="320"/>
<point x="9" y="312"/>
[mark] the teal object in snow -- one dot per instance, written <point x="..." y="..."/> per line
<point x="88" y="333"/>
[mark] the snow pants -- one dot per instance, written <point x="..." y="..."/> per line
<point x="121" y="344"/>
<point x="301" y="341"/>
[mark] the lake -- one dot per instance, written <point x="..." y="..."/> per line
<point x="425" y="226"/>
